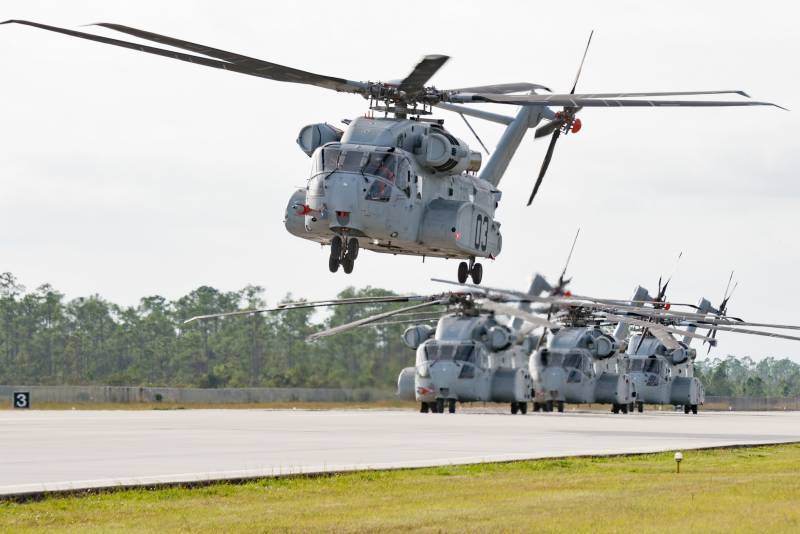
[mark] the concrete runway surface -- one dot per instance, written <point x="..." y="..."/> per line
<point x="62" y="450"/>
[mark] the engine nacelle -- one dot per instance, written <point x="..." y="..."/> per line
<point x="442" y="152"/>
<point x="313" y="136"/>
<point x="415" y="335"/>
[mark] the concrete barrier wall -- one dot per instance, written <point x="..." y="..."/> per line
<point x="753" y="403"/>
<point x="133" y="394"/>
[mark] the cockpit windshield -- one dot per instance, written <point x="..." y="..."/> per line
<point x="380" y="164"/>
<point x="461" y="352"/>
<point x="572" y="361"/>
<point x="649" y="365"/>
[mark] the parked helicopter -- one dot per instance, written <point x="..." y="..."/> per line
<point x="665" y="372"/>
<point x="468" y="357"/>
<point x="401" y="183"/>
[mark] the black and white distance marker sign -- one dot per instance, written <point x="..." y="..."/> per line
<point x="21" y="399"/>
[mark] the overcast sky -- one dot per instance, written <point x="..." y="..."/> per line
<point x="127" y="175"/>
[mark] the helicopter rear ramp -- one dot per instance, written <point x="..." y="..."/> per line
<point x="51" y="451"/>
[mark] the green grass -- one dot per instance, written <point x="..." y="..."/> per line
<point x="728" y="490"/>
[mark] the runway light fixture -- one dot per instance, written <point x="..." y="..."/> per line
<point x="678" y="458"/>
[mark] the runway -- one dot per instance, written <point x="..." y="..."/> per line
<point x="63" y="450"/>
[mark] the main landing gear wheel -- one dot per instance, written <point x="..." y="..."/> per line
<point x="439" y="405"/>
<point x="694" y="409"/>
<point x="523" y="408"/>
<point x="470" y="270"/>
<point x="560" y="406"/>
<point x="463" y="272"/>
<point x="537" y="406"/>
<point x="686" y="408"/>
<point x="476" y="273"/>
<point x="548" y="406"/>
<point x="514" y="408"/>
<point x="640" y="407"/>
<point x="451" y="406"/>
<point x="423" y="407"/>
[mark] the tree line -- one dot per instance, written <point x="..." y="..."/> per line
<point x="46" y="339"/>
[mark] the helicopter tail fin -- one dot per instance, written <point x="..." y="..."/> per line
<point x="527" y="117"/>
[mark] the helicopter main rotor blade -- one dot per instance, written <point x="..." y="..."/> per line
<point x="652" y="326"/>
<point x="501" y="88"/>
<point x="575" y="101"/>
<point x="297" y="305"/>
<point x="546" y="163"/>
<point x="516" y="312"/>
<point x="748" y="331"/>
<point x="424" y="71"/>
<point x="371" y="319"/>
<point x="230" y="61"/>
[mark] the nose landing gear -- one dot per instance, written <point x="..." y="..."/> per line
<point x="473" y="270"/>
<point x="343" y="253"/>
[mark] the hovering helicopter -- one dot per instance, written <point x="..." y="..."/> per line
<point x="401" y="183"/>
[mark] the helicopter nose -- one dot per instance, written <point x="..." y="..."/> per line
<point x="342" y="198"/>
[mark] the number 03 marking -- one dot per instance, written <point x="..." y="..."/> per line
<point x="481" y="227"/>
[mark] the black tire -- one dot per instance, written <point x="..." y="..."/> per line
<point x="463" y="272"/>
<point x="451" y="406"/>
<point x="548" y="406"/>
<point x="640" y="406"/>
<point x="631" y="407"/>
<point x="423" y="407"/>
<point x="347" y="264"/>
<point x="523" y="408"/>
<point x="560" y="406"/>
<point x="536" y="406"/>
<point x="476" y="273"/>
<point x="624" y="408"/>
<point x="336" y="247"/>
<point x="686" y="408"/>
<point x="333" y="264"/>
<point x="352" y="248"/>
<point x="615" y="408"/>
<point x="694" y="409"/>
<point x="514" y="408"/>
<point x="439" y="405"/>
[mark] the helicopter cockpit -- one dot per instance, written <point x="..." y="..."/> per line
<point x="382" y="169"/>
<point x="651" y="366"/>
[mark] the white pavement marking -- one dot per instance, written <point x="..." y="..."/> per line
<point x="60" y="450"/>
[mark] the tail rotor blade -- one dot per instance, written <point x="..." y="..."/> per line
<point x="547" y="129"/>
<point x="578" y="75"/>
<point x="545" y="164"/>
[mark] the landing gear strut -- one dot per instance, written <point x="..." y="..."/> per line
<point x="472" y="270"/>
<point x="343" y="253"/>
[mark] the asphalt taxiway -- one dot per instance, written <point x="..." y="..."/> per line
<point x="44" y="451"/>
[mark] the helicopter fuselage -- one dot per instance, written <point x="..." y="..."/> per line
<point x="398" y="186"/>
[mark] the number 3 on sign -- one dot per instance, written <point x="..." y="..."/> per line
<point x="22" y="399"/>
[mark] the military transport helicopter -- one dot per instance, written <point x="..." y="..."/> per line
<point x="469" y="356"/>
<point x="401" y="183"/>
<point x="665" y="372"/>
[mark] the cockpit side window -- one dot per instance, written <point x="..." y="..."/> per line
<point x="379" y="190"/>
<point x="381" y="164"/>
<point x="330" y="159"/>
